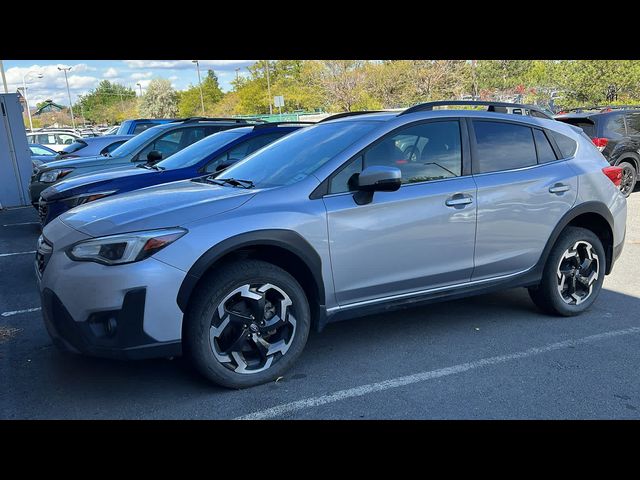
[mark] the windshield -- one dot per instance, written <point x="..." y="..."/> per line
<point x="202" y="149"/>
<point x="131" y="146"/>
<point x="299" y="154"/>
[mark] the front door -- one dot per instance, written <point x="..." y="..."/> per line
<point x="417" y="238"/>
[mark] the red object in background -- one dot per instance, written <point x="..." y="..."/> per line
<point x="600" y="142"/>
<point x="614" y="174"/>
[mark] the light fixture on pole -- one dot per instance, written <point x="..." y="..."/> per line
<point x="140" y="87"/>
<point x="199" y="84"/>
<point x="26" y="98"/>
<point x="65" y="70"/>
<point x="237" y="74"/>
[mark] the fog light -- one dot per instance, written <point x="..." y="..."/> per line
<point x="110" y="326"/>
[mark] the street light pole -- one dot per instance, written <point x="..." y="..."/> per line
<point x="139" y="86"/>
<point x="65" y="70"/>
<point x="237" y="74"/>
<point x="26" y="97"/>
<point x="200" y="84"/>
<point x="268" y="86"/>
<point x="4" y="78"/>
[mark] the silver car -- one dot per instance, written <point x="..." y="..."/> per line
<point x="359" y="214"/>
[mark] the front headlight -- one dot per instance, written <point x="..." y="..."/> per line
<point x="86" y="198"/>
<point x="54" y="175"/>
<point x="125" y="248"/>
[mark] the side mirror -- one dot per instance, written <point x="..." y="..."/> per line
<point x="376" y="178"/>
<point x="154" y="156"/>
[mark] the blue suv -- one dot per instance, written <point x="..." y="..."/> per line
<point x="207" y="156"/>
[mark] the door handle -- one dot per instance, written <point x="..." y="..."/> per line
<point x="458" y="200"/>
<point x="559" y="188"/>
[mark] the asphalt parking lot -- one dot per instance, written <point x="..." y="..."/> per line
<point x="488" y="357"/>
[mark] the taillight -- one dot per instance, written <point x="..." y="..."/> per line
<point x="614" y="174"/>
<point x="600" y="142"/>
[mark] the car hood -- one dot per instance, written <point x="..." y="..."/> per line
<point x="77" y="185"/>
<point x="168" y="205"/>
<point x="74" y="162"/>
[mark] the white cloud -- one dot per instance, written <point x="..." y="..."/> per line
<point x="184" y="64"/>
<point x="140" y="75"/>
<point x="52" y="85"/>
<point x="111" y="73"/>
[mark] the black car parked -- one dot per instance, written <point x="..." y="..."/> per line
<point x="615" y="130"/>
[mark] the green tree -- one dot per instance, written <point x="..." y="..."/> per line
<point x="189" y="104"/>
<point x="101" y="105"/>
<point x="160" y="100"/>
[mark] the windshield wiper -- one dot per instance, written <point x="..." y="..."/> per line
<point x="151" y="167"/>
<point x="232" y="181"/>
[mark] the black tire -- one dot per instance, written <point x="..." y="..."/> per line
<point x="203" y="313"/>
<point x="546" y="296"/>
<point x="629" y="175"/>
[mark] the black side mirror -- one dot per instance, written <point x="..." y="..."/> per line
<point x="154" y="156"/>
<point x="376" y="178"/>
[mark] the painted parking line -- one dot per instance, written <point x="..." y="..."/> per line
<point x="17" y="312"/>
<point x="279" y="410"/>
<point x="21" y="223"/>
<point x="17" y="253"/>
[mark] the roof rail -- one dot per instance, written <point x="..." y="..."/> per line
<point x="275" y="124"/>
<point x="534" y="111"/>
<point x="217" y="119"/>
<point x="348" y="114"/>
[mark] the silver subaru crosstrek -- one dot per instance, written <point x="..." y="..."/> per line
<point x="358" y="214"/>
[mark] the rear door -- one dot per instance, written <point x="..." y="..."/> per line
<point x="524" y="188"/>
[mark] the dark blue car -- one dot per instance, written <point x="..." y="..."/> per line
<point x="207" y="156"/>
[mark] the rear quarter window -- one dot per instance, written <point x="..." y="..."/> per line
<point x="503" y="146"/>
<point x="566" y="145"/>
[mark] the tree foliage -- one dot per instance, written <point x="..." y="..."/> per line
<point x="189" y="103"/>
<point x="160" y="100"/>
<point x="107" y="103"/>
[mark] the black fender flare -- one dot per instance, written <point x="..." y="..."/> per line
<point x="598" y="208"/>
<point x="286" y="239"/>
<point x="628" y="154"/>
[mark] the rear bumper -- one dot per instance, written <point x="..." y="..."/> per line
<point x="116" y="334"/>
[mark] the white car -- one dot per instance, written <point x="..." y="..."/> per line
<point x="54" y="139"/>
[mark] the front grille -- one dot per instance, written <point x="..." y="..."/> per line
<point x="43" y="210"/>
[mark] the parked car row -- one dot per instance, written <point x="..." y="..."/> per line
<point x="615" y="130"/>
<point x="228" y="241"/>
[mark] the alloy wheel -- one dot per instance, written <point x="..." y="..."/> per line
<point x="253" y="327"/>
<point x="578" y="272"/>
<point x="628" y="181"/>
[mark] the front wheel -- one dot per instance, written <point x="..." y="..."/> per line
<point x="247" y="323"/>
<point x="573" y="274"/>
<point x="628" y="182"/>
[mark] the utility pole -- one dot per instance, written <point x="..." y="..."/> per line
<point x="200" y="84"/>
<point x="4" y="79"/>
<point x="26" y="97"/>
<point x="65" y="70"/>
<point x="268" y="86"/>
<point x="474" y="86"/>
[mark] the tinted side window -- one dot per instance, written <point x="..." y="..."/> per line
<point x="545" y="151"/>
<point x="112" y="147"/>
<point x="613" y="126"/>
<point x="633" y="123"/>
<point x="141" y="127"/>
<point x="502" y="146"/>
<point x="565" y="144"/>
<point x="238" y="152"/>
<point x="423" y="152"/>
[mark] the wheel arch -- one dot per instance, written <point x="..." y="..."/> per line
<point x="594" y="216"/>
<point x="283" y="248"/>
<point x="629" y="157"/>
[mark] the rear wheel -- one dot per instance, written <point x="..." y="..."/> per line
<point x="628" y="182"/>
<point x="247" y="323"/>
<point x="573" y="274"/>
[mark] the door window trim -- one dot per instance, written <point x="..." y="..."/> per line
<point x="322" y="190"/>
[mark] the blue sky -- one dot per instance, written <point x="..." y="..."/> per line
<point x="86" y="74"/>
